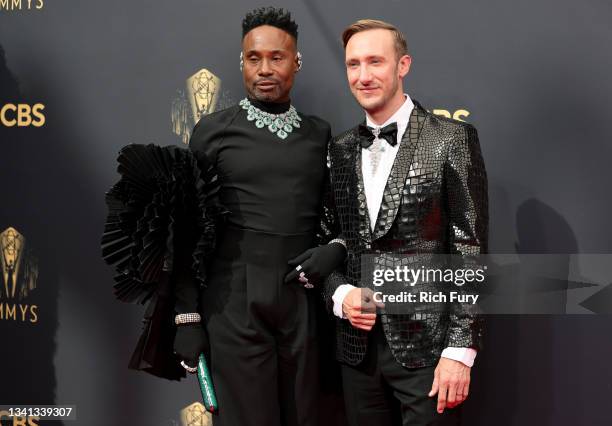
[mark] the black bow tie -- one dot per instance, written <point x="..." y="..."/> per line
<point x="368" y="134"/>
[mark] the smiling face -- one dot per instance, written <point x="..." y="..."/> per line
<point x="270" y="63"/>
<point x="375" y="72"/>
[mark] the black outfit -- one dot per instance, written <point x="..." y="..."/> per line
<point x="440" y="207"/>
<point x="262" y="332"/>
<point x="267" y="184"/>
<point x="155" y="237"/>
<point x="380" y="391"/>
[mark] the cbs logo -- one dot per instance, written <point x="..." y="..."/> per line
<point x="460" y="114"/>
<point x="18" y="421"/>
<point x="22" y="115"/>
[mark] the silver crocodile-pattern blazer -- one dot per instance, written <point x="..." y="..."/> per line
<point x="435" y="202"/>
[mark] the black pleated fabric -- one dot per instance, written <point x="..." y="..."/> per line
<point x="162" y="203"/>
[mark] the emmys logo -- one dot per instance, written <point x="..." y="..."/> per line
<point x="201" y="95"/>
<point x="459" y="114"/>
<point x="195" y="415"/>
<point x="19" y="271"/>
<point x="22" y="115"/>
<point x="13" y="5"/>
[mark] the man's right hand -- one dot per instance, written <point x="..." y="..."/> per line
<point x="190" y="341"/>
<point x="359" y="307"/>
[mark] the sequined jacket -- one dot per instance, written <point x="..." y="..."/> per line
<point x="435" y="201"/>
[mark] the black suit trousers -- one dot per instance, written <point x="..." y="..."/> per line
<point x="262" y="331"/>
<point x="380" y="391"/>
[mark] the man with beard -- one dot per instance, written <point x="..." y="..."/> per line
<point x="405" y="181"/>
<point x="270" y="162"/>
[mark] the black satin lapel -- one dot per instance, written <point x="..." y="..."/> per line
<point x="359" y="189"/>
<point x="392" y="196"/>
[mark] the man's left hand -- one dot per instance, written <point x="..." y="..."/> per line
<point x="317" y="263"/>
<point x="451" y="383"/>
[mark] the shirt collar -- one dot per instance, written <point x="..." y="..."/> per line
<point x="401" y="116"/>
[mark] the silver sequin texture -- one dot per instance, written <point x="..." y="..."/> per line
<point x="435" y="202"/>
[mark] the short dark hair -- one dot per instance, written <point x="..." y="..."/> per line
<point x="400" y="45"/>
<point x="276" y="17"/>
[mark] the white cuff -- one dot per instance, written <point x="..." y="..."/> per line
<point x="464" y="355"/>
<point x="338" y="298"/>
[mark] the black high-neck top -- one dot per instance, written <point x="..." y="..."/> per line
<point x="271" y="107"/>
<point x="267" y="183"/>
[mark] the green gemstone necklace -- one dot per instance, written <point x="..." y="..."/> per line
<point x="279" y="124"/>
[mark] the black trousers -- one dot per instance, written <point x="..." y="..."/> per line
<point x="380" y="391"/>
<point x="262" y="332"/>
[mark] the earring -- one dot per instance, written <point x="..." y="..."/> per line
<point x="241" y="62"/>
<point x="299" y="60"/>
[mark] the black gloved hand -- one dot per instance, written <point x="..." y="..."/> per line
<point x="317" y="262"/>
<point x="190" y="341"/>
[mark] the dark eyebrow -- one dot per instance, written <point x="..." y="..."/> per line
<point x="273" y="52"/>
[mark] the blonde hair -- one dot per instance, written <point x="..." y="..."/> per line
<point x="400" y="45"/>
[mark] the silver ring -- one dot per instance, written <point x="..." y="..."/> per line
<point x="298" y="268"/>
<point x="188" y="368"/>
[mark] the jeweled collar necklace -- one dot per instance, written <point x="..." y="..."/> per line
<point x="280" y="124"/>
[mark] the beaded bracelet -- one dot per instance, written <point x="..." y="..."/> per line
<point x="192" y="317"/>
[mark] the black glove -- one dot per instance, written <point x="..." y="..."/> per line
<point x="317" y="262"/>
<point x="190" y="341"/>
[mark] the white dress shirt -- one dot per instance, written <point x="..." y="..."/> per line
<point x="374" y="187"/>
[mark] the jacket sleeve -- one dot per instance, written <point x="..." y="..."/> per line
<point x="330" y="224"/>
<point x="467" y="205"/>
<point x="329" y="227"/>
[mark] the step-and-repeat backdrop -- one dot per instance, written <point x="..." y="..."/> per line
<point x="81" y="79"/>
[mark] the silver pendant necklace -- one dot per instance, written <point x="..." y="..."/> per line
<point x="279" y="124"/>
